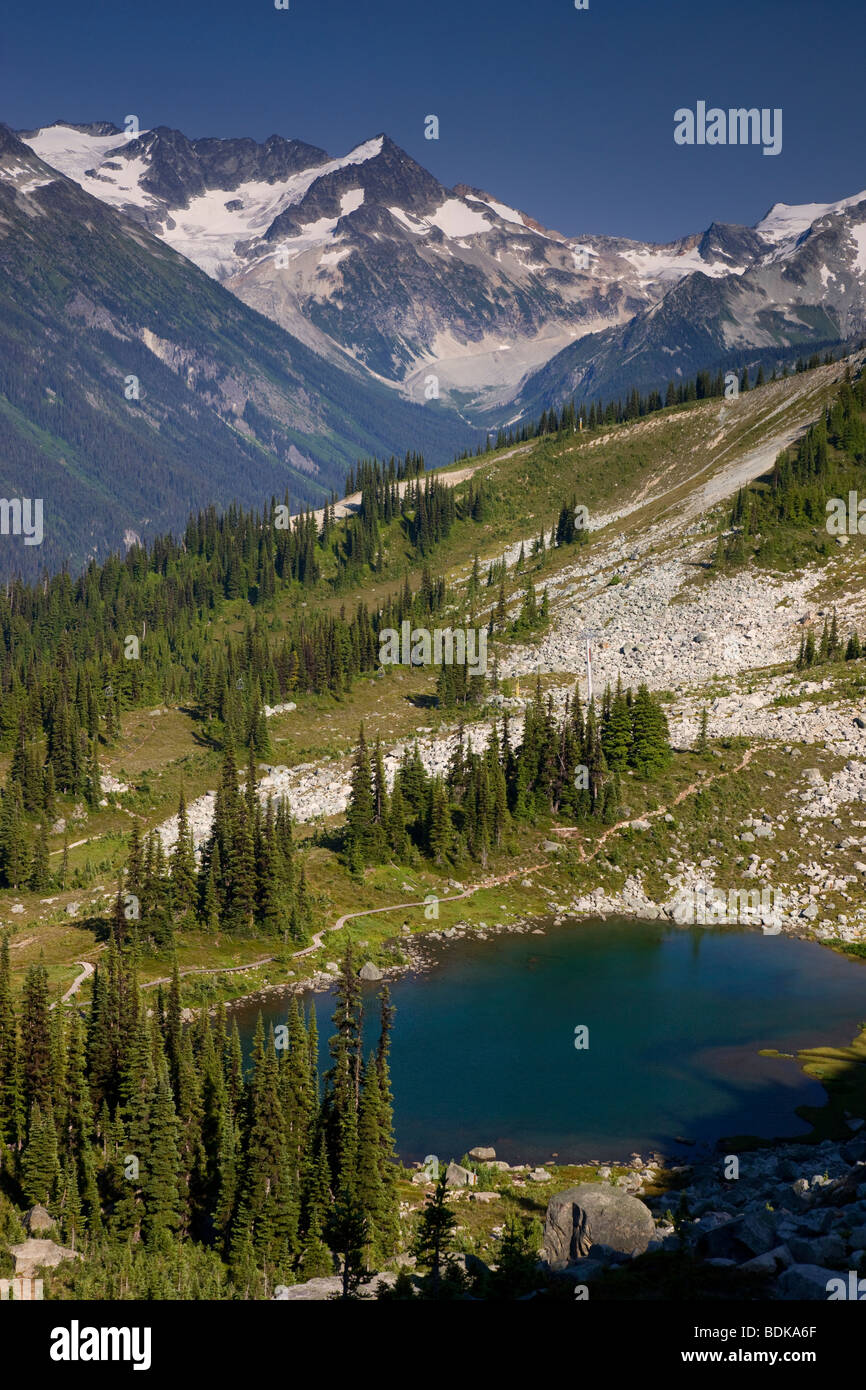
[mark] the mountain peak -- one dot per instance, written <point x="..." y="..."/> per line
<point x="786" y="221"/>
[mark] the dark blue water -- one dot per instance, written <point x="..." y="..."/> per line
<point x="484" y="1043"/>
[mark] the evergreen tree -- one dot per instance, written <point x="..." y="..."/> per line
<point x="435" y="1236"/>
<point x="40" y="877"/>
<point x="40" y="1167"/>
<point x="162" y="1191"/>
<point x="11" y="1081"/>
<point x="360" y="837"/>
<point x="702" y="743"/>
<point x="36" y="1039"/>
<point x="616" y="735"/>
<point x="183" y="870"/>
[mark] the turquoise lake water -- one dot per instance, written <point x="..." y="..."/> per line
<point x="484" y="1041"/>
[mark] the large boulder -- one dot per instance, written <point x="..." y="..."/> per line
<point x="810" y="1282"/>
<point x="840" y="1191"/>
<point x="770" y="1263"/>
<point x="457" y="1176"/>
<point x="822" y="1250"/>
<point x="741" y="1239"/>
<point x="482" y="1155"/>
<point x="39" y="1221"/>
<point x="469" y="1265"/>
<point x="34" y="1255"/>
<point x="314" y="1290"/>
<point x="369" y="971"/>
<point x="594" y="1214"/>
<point x="326" y="1287"/>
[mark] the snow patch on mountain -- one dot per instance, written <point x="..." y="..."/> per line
<point x="206" y="231"/>
<point x="313" y="234"/>
<point x="24" y="177"/>
<point x="667" y="266"/>
<point x="859" y="237"/>
<point x="351" y="201"/>
<point x="501" y="209"/>
<point x="332" y="258"/>
<point x="417" y="225"/>
<point x="210" y="229"/>
<point x="74" y="152"/>
<point x="454" y="218"/>
<point x="788" y="221"/>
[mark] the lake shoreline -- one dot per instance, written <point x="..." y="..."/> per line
<point x="747" y="1058"/>
<point x="324" y="980"/>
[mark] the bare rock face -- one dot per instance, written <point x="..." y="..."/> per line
<point x="327" y="1287"/>
<point x="33" y="1255"/>
<point x="594" y="1214"/>
<point x="804" y="1281"/>
<point x="741" y="1239"/>
<point x="314" y="1290"/>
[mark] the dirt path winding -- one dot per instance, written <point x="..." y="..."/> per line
<point x="87" y="969"/>
<point x="567" y="830"/>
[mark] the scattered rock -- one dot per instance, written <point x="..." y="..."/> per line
<point x="770" y="1263"/>
<point x="329" y="1286"/>
<point x="740" y="1239"/>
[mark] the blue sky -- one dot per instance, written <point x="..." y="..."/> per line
<point x="565" y="114"/>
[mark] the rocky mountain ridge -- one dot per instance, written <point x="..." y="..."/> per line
<point x="367" y="256"/>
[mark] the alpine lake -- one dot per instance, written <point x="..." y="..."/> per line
<point x="602" y="1037"/>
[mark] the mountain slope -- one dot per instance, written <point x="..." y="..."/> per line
<point x="230" y="406"/>
<point x="809" y="287"/>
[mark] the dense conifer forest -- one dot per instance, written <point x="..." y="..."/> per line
<point x="568" y="768"/>
<point x="175" y="1168"/>
<point x="784" y="521"/>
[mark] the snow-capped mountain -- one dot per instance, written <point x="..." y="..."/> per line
<point x="806" y="287"/>
<point x="134" y="388"/>
<point x="368" y="256"/>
